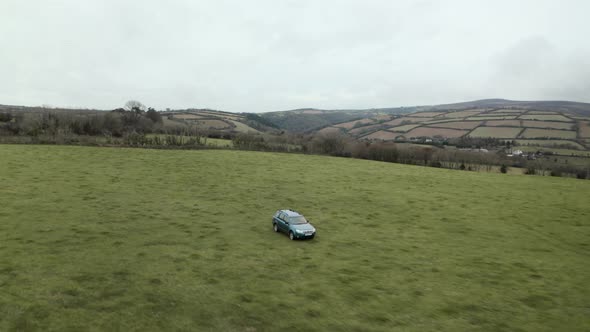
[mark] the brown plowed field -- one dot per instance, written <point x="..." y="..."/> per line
<point x="584" y="129"/>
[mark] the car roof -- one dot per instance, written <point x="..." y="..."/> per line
<point x="291" y="213"/>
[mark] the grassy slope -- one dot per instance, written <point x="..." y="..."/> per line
<point x="130" y="239"/>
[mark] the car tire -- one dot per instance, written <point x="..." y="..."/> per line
<point x="291" y="236"/>
<point x="275" y="228"/>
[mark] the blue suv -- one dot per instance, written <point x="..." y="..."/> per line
<point x="293" y="224"/>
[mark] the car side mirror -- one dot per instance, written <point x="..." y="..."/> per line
<point x="286" y="223"/>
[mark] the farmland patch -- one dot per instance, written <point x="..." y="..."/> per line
<point x="547" y="124"/>
<point x="460" y="114"/>
<point x="432" y="132"/>
<point x="497" y="132"/>
<point x="503" y="123"/>
<point x="584" y="130"/>
<point x="492" y="117"/>
<point x="557" y="151"/>
<point x="508" y="111"/>
<point x="242" y="127"/>
<point x="549" y="143"/>
<point x="185" y="116"/>
<point x="352" y="124"/>
<point x="382" y="135"/>
<point x="544" y="117"/>
<point x="406" y="120"/>
<point x="330" y="130"/>
<point x="404" y="128"/>
<point x="427" y="114"/>
<point x="214" y="124"/>
<point x="364" y="129"/>
<point x="457" y="124"/>
<point x="548" y="133"/>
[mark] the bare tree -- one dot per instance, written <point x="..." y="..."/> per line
<point x="134" y="105"/>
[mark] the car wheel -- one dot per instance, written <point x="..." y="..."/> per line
<point x="291" y="236"/>
<point x="275" y="227"/>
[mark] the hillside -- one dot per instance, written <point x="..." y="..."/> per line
<point x="311" y="119"/>
<point x="204" y="120"/>
<point x="559" y="128"/>
<point x="153" y="240"/>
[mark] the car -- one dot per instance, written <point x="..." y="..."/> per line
<point x="293" y="224"/>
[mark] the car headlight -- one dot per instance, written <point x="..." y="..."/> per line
<point x="299" y="231"/>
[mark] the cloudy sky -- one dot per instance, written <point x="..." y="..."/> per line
<point x="267" y="55"/>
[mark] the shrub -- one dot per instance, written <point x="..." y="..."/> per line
<point x="504" y="169"/>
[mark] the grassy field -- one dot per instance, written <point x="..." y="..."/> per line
<point x="501" y="132"/>
<point x="431" y="132"/>
<point x="558" y="151"/>
<point x="549" y="133"/>
<point x="544" y="117"/>
<point x="167" y="240"/>
<point x="404" y="128"/>
<point x="549" y="143"/>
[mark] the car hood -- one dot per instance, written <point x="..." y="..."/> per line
<point x="304" y="227"/>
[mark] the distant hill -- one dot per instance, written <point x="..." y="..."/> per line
<point x="312" y="119"/>
<point x="548" y="105"/>
<point x="560" y="128"/>
<point x="203" y="119"/>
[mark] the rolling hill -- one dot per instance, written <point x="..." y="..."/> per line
<point x="312" y="119"/>
<point x="548" y="124"/>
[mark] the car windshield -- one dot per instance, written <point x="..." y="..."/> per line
<point x="297" y="220"/>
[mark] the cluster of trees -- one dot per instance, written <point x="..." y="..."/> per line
<point x="132" y="119"/>
<point x="453" y="158"/>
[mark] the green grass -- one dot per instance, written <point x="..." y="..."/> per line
<point x="550" y="143"/>
<point x="544" y="117"/>
<point x="220" y="142"/>
<point x="498" y="132"/>
<point x="549" y="133"/>
<point x="558" y="151"/>
<point x="168" y="240"/>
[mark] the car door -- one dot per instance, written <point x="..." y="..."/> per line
<point x="283" y="226"/>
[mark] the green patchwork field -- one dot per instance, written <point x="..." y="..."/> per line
<point x="544" y="117"/>
<point x="549" y="143"/>
<point x="499" y="132"/>
<point x="548" y="133"/>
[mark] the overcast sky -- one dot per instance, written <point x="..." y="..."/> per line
<point x="268" y="55"/>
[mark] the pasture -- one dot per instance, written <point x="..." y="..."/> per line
<point x="548" y="133"/>
<point x="170" y="240"/>
<point x="404" y="128"/>
<point x="432" y="132"/>
<point x="458" y="125"/>
<point x="382" y="135"/>
<point x="544" y="117"/>
<point x="500" y="132"/>
<point x="549" y="143"/>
